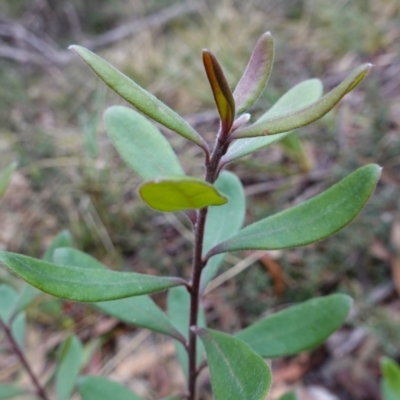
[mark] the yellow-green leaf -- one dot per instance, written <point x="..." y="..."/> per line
<point x="176" y="193"/>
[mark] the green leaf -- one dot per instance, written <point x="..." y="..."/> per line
<point x="10" y="391"/>
<point x="222" y="222"/>
<point x="28" y="292"/>
<point x="237" y="373"/>
<point x="68" y="368"/>
<point x="138" y="311"/>
<point x="98" y="388"/>
<point x="222" y="92"/>
<point x="311" y="221"/>
<point x="138" y="97"/>
<point x="141" y="145"/>
<point x="63" y="239"/>
<point x="391" y="375"/>
<point x="387" y="392"/>
<point x="85" y="285"/>
<point x="8" y="302"/>
<point x="18" y="329"/>
<point x="255" y="77"/>
<point x="5" y="177"/>
<point x="300" y="96"/>
<point x="306" y="115"/>
<point x="177" y="193"/>
<point x="297" y="328"/>
<point x="289" y="396"/>
<point x="178" y="306"/>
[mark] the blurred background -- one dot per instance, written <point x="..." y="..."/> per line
<point x="70" y="177"/>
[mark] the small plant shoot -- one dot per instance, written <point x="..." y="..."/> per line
<point x="216" y="206"/>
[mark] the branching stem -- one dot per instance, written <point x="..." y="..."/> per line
<point x="20" y="354"/>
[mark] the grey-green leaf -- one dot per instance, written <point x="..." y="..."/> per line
<point x="300" y="96"/>
<point x="255" y="77"/>
<point x="237" y="373"/>
<point x="5" y="177"/>
<point x="297" y="328"/>
<point x="68" y="367"/>
<point x="18" y="329"/>
<point x="178" y="306"/>
<point x="8" y="302"/>
<point x="311" y="221"/>
<point x="140" y="144"/>
<point x="10" y="391"/>
<point x="85" y="285"/>
<point x="138" y="311"/>
<point x="28" y="292"/>
<point x="138" y="97"/>
<point x="99" y="388"/>
<point x="63" y="239"/>
<point x="223" y="221"/>
<point x="306" y="115"/>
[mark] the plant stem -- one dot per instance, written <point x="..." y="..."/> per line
<point x="197" y="267"/>
<point x="20" y="354"/>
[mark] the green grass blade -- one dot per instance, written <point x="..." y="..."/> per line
<point x="5" y="177"/>
<point x="140" y="144"/>
<point x="237" y="373"/>
<point x="311" y="221"/>
<point x="138" y="97"/>
<point x="85" y="285"/>
<point x="297" y="328"/>
<point x="307" y="115"/>
<point x="256" y="75"/>
<point x="176" y="193"/>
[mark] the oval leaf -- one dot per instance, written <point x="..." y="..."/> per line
<point x="176" y="193"/>
<point x="178" y="305"/>
<point x="85" y="285"/>
<point x="222" y="92"/>
<point x="98" y="388"/>
<point x="5" y="177"/>
<point x="18" y="329"/>
<point x="138" y="311"/>
<point x="140" y="144"/>
<point x="255" y="77"/>
<point x="237" y="373"/>
<point x="138" y="97"/>
<point x="68" y="367"/>
<point x="300" y="96"/>
<point x="223" y="222"/>
<point x="289" y="396"/>
<point x="311" y="221"/>
<point x="391" y="375"/>
<point x="305" y="115"/>
<point x="297" y="328"/>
